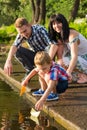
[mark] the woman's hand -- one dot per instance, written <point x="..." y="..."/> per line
<point x="69" y="75"/>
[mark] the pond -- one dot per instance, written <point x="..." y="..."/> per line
<point x="15" y="113"/>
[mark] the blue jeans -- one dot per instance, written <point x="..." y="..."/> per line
<point x="26" y="57"/>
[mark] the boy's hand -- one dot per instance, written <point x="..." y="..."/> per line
<point x="39" y="105"/>
<point x="24" y="83"/>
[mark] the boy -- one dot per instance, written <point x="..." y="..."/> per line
<point x="52" y="78"/>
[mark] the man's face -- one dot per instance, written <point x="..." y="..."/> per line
<point x="24" y="31"/>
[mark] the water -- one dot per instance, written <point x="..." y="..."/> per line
<point x="15" y="113"/>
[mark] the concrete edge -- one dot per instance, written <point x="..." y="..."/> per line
<point x="61" y="120"/>
<point x="58" y="118"/>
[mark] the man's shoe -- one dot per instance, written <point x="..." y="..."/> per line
<point x="39" y="92"/>
<point x="52" y="97"/>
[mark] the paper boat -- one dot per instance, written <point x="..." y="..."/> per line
<point x="34" y="113"/>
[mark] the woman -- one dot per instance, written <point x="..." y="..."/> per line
<point x="75" y="42"/>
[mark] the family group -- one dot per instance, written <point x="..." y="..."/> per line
<point x="60" y="41"/>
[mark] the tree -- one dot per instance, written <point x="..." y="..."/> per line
<point x="39" y="11"/>
<point x="82" y="9"/>
<point x="74" y="10"/>
<point x="8" y="11"/>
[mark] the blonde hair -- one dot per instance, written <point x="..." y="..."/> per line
<point x="41" y="58"/>
<point x="20" y="22"/>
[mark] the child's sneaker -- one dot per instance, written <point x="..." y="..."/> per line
<point x="52" y="97"/>
<point x="39" y="92"/>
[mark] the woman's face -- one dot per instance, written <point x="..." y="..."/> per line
<point x="57" y="26"/>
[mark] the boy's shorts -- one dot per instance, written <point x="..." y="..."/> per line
<point x="62" y="86"/>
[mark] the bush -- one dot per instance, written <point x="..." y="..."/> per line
<point x="7" y="34"/>
<point x="81" y="27"/>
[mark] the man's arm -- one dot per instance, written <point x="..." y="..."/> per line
<point x="8" y="63"/>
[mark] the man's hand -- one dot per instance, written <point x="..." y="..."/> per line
<point x="8" y="69"/>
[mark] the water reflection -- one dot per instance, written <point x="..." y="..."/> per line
<point x="5" y="122"/>
<point x="23" y="122"/>
<point x="15" y="113"/>
<point x="34" y="123"/>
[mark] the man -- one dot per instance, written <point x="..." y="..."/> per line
<point x="37" y="38"/>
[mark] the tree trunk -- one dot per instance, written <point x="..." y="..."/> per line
<point x="42" y="12"/>
<point x="39" y="11"/>
<point x="33" y="9"/>
<point x="74" y="10"/>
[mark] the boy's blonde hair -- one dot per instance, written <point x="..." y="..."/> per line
<point x="41" y="58"/>
<point x="20" y="22"/>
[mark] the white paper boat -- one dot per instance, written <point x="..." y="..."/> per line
<point x="35" y="119"/>
<point x="34" y="112"/>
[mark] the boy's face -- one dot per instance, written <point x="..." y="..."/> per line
<point x="24" y="31"/>
<point x="44" y="68"/>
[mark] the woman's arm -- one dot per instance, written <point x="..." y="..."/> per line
<point x="74" y="52"/>
<point x="74" y="56"/>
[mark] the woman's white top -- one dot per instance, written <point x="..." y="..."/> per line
<point x="82" y="47"/>
<point x="82" y="50"/>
